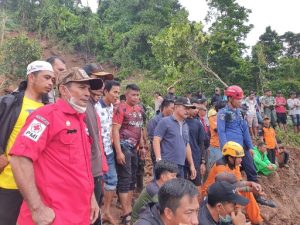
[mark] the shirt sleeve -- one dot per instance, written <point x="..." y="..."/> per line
<point x="221" y="128"/>
<point x="32" y="139"/>
<point x="161" y="129"/>
<point x="150" y="128"/>
<point x="118" y="116"/>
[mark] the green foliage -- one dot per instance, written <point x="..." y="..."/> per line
<point x="17" y="53"/>
<point x="128" y="26"/>
<point x="288" y="138"/>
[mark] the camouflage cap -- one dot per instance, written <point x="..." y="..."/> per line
<point x="77" y="74"/>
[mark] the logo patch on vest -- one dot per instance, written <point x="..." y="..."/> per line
<point x="35" y="130"/>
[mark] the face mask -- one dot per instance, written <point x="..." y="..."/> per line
<point x="76" y="107"/>
<point x="226" y="219"/>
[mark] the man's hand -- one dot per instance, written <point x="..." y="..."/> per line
<point x="202" y="169"/>
<point x="255" y="187"/>
<point x="238" y="218"/>
<point x="251" y="152"/>
<point x="193" y="172"/>
<point x="3" y="162"/>
<point x="95" y="210"/>
<point x="43" y="215"/>
<point x="142" y="153"/>
<point x="121" y="158"/>
<point x="270" y="167"/>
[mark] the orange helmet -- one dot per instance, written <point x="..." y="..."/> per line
<point x="233" y="149"/>
<point x="235" y="92"/>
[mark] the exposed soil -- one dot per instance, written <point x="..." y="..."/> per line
<point x="282" y="187"/>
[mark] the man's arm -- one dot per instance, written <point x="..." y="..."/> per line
<point x="156" y="147"/>
<point x="221" y="129"/>
<point x="159" y="133"/>
<point x="24" y="175"/>
<point x="116" y="140"/>
<point x="189" y="158"/>
<point x="247" y="137"/>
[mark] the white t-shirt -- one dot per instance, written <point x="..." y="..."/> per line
<point x="251" y="106"/>
<point x="294" y="106"/>
<point x="106" y="114"/>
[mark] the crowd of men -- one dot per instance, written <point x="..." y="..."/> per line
<point x="69" y="143"/>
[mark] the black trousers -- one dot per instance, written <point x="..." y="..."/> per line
<point x="98" y="190"/>
<point x="10" y="204"/>
<point x="271" y="155"/>
<point x="248" y="167"/>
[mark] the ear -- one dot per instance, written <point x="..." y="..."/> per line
<point x="62" y="90"/>
<point x="169" y="213"/>
<point x="30" y="77"/>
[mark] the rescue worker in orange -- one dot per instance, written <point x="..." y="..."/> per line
<point x="230" y="163"/>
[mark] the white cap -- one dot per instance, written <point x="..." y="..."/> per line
<point x="38" y="66"/>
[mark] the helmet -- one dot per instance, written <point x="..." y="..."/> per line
<point x="233" y="149"/>
<point x="235" y="92"/>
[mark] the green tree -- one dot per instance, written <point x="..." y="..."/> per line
<point x="229" y="27"/>
<point x="272" y="46"/>
<point x="291" y="44"/>
<point x="17" y="53"/>
<point x="128" y="25"/>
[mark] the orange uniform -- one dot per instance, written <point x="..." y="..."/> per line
<point x="269" y="137"/>
<point x="252" y="209"/>
<point x="214" y="139"/>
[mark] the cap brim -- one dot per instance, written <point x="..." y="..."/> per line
<point x="190" y="106"/>
<point x="104" y="75"/>
<point x="95" y="83"/>
<point x="240" y="200"/>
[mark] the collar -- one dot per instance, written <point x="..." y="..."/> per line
<point x="65" y="107"/>
<point x="174" y="119"/>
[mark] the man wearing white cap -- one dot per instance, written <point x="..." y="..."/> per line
<point x="14" y="110"/>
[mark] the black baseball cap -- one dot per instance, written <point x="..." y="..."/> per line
<point x="184" y="101"/>
<point x="222" y="191"/>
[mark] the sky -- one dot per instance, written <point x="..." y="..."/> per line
<point x="281" y="15"/>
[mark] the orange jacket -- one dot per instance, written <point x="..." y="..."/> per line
<point x="269" y="137"/>
<point x="219" y="167"/>
<point x="214" y="138"/>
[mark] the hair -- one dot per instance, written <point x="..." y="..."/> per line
<point x="52" y="59"/>
<point x="132" y="87"/>
<point x="92" y="68"/>
<point x="260" y="144"/>
<point x="157" y="93"/>
<point x="122" y="98"/>
<point x="220" y="105"/>
<point x="109" y="84"/>
<point x="252" y="92"/>
<point x="166" y="103"/>
<point x="163" y="166"/>
<point x="170" y="194"/>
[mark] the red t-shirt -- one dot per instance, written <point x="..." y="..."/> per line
<point x="55" y="138"/>
<point x="130" y="118"/>
<point x="281" y="108"/>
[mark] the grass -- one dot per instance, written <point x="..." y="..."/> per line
<point x="289" y="138"/>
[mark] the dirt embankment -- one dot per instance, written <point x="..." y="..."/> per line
<point x="284" y="189"/>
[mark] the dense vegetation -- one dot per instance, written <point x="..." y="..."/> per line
<point x="154" y="41"/>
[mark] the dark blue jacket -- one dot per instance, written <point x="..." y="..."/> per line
<point x="233" y="127"/>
